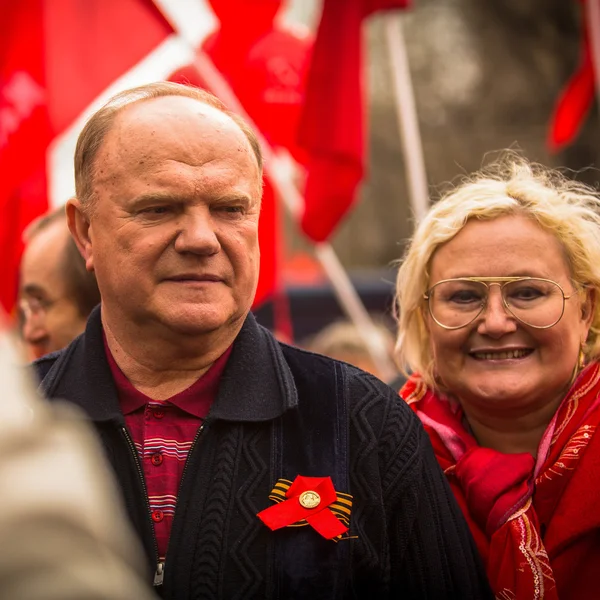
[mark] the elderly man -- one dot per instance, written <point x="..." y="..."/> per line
<point x="250" y="469"/>
<point x="56" y="292"/>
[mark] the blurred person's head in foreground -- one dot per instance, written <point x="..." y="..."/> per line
<point x="56" y="292"/>
<point x="61" y="514"/>
<point x="499" y="319"/>
<point x="343" y="341"/>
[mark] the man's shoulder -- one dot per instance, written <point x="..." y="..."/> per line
<point x="316" y="370"/>
<point x="380" y="422"/>
<point x="319" y="365"/>
<point x="42" y="365"/>
<point x="48" y="367"/>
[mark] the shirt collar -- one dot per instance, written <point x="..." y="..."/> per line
<point x="257" y="383"/>
<point x="196" y="400"/>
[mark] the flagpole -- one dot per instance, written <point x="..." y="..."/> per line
<point x="278" y="172"/>
<point x="592" y="13"/>
<point x="408" y="123"/>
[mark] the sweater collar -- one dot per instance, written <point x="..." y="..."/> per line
<point x="257" y="384"/>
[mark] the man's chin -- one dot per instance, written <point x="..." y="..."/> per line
<point x="199" y="322"/>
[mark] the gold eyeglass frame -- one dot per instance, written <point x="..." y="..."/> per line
<point x="501" y="282"/>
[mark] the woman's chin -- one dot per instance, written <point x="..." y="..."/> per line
<point x="504" y="390"/>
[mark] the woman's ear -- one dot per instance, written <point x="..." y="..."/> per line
<point x="588" y="309"/>
<point x="79" y="226"/>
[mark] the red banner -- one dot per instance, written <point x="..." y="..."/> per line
<point x="55" y="59"/>
<point x="24" y="133"/>
<point x="332" y="124"/>
<point x="576" y="98"/>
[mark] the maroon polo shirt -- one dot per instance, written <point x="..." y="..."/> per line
<point x="163" y="432"/>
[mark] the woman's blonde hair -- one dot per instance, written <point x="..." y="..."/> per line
<point x="568" y="209"/>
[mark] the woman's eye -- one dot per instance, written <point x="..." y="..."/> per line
<point x="465" y="297"/>
<point x="527" y="294"/>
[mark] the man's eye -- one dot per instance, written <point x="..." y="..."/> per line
<point x="155" y="211"/>
<point x="233" y="209"/>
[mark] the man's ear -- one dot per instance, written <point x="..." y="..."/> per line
<point x="79" y="227"/>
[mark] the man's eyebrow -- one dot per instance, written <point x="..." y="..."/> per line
<point x="152" y="197"/>
<point x="32" y="289"/>
<point x="234" y="197"/>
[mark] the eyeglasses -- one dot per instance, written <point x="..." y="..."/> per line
<point x="455" y="303"/>
<point x="34" y="307"/>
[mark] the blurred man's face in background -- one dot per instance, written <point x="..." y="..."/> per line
<point x="50" y="318"/>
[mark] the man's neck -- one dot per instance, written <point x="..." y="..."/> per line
<point x="160" y="369"/>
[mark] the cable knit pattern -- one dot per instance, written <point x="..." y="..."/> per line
<point x="281" y="412"/>
<point x="210" y="553"/>
<point x="364" y="446"/>
<point x="251" y="574"/>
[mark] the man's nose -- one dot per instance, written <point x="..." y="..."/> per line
<point x="496" y="320"/>
<point x="197" y="233"/>
<point x="33" y="329"/>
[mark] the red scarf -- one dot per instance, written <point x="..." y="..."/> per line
<point x="536" y="522"/>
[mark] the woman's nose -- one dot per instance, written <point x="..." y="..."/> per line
<point x="496" y="321"/>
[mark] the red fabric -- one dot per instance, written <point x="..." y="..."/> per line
<point x="24" y="133"/>
<point x="536" y="523"/>
<point x="90" y="43"/>
<point x="291" y="510"/>
<point x="332" y="123"/>
<point x="573" y="103"/>
<point x="163" y="433"/>
<point x="55" y="59"/>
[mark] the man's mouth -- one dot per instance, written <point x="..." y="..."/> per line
<point x="501" y="354"/>
<point x="194" y="277"/>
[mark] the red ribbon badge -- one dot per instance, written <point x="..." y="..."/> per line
<point x="308" y="499"/>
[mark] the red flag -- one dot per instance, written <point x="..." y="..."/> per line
<point x="24" y="133"/>
<point x="574" y="102"/>
<point x="332" y="124"/>
<point x="55" y="59"/>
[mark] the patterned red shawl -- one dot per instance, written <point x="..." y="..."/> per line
<point x="536" y="522"/>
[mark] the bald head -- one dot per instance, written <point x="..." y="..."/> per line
<point x="137" y="128"/>
<point x="93" y="135"/>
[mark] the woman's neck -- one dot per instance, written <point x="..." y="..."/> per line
<point x="511" y="433"/>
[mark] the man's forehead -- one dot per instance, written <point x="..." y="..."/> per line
<point x="53" y="235"/>
<point x="42" y="255"/>
<point x="165" y="111"/>
<point x="151" y="137"/>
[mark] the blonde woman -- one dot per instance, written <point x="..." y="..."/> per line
<point x="499" y="322"/>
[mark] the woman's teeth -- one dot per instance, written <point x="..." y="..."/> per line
<point x="501" y="355"/>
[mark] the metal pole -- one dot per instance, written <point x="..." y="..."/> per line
<point x="408" y="122"/>
<point x="592" y="13"/>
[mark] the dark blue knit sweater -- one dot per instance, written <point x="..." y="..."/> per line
<point x="282" y="412"/>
